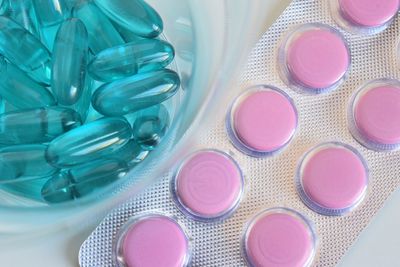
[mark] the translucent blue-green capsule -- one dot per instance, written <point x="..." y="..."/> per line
<point x="135" y="15"/>
<point x="83" y="179"/>
<point x="24" y="50"/>
<point x="126" y="34"/>
<point x="131" y="153"/>
<point x="150" y="126"/>
<point x="70" y="54"/>
<point x="102" y="33"/>
<point x="50" y="14"/>
<point x="2" y="105"/>
<point x="82" y="106"/>
<point x="36" y="125"/>
<point x="3" y="6"/>
<point x="95" y="175"/>
<point x="28" y="189"/>
<point x="22" y="11"/>
<point x="91" y="141"/>
<point x="20" y="90"/>
<point x="58" y="189"/>
<point x="126" y="60"/>
<point x="24" y="162"/>
<point x="136" y="92"/>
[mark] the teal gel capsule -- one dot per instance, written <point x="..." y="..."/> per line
<point x="50" y="13"/>
<point x="20" y="90"/>
<point x="70" y="55"/>
<point x="82" y="106"/>
<point x="24" y="162"/>
<point x="2" y="105"/>
<point x="24" y="50"/>
<point x="89" y="142"/>
<point x="102" y="33"/>
<point x="22" y="12"/>
<point x="150" y="126"/>
<point x="83" y="179"/>
<point x="126" y="34"/>
<point x="131" y="153"/>
<point x="136" y="92"/>
<point x="135" y="15"/>
<point x="126" y="60"/>
<point x="36" y="125"/>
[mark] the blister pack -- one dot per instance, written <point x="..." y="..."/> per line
<point x="303" y="159"/>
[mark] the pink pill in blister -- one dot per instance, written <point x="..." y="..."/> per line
<point x="369" y="13"/>
<point x="375" y="114"/>
<point x="279" y="237"/>
<point x="332" y="178"/>
<point x="152" y="240"/>
<point x="262" y="121"/>
<point x="314" y="58"/>
<point x="208" y="185"/>
<point x="364" y="16"/>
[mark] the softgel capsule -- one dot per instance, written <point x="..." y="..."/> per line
<point x="62" y="61"/>
<point x="315" y="196"/>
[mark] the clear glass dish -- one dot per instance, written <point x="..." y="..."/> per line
<point x="208" y="55"/>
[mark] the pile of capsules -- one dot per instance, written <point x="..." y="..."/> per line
<point x="83" y="90"/>
<point x="332" y="178"/>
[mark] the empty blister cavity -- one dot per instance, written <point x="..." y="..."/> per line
<point x="332" y="178"/>
<point x="152" y="240"/>
<point x="313" y="58"/>
<point x="208" y="185"/>
<point x="262" y="121"/>
<point x="364" y="16"/>
<point x="279" y="237"/>
<point x="374" y="115"/>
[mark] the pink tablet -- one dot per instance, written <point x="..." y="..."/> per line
<point x="369" y="13"/>
<point x="208" y="185"/>
<point x="314" y="58"/>
<point x="279" y="237"/>
<point x="332" y="178"/>
<point x="262" y="121"/>
<point x="375" y="115"/>
<point x="152" y="240"/>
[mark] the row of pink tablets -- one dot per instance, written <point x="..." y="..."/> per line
<point x="331" y="178"/>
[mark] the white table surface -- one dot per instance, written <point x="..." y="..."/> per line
<point x="378" y="245"/>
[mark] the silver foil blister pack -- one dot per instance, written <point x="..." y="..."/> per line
<point x="270" y="181"/>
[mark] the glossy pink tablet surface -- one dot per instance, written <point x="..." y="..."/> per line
<point x="369" y="13"/>
<point x="264" y="120"/>
<point x="155" y="241"/>
<point x="209" y="184"/>
<point x="279" y="239"/>
<point x="333" y="176"/>
<point x="377" y="114"/>
<point x="317" y="58"/>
